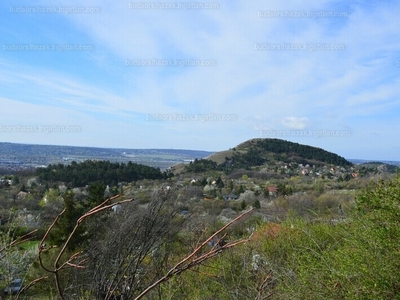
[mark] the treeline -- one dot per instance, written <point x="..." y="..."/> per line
<point x="201" y="165"/>
<point x="304" y="151"/>
<point x="84" y="173"/>
<point x="255" y="156"/>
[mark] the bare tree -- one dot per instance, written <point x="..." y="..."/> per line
<point x="198" y="256"/>
<point x="64" y="261"/>
<point x="129" y="249"/>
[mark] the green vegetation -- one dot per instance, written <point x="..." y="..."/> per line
<point x="353" y="257"/>
<point x="81" y="174"/>
<point x="315" y="232"/>
<point x="259" y="152"/>
<point x="201" y="165"/>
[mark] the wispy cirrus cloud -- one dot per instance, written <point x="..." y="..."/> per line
<point x="307" y="85"/>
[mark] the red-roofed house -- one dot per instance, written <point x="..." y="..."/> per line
<point x="272" y="190"/>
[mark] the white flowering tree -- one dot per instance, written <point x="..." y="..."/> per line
<point x="14" y="261"/>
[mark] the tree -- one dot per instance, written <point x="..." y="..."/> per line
<point x="127" y="246"/>
<point x="64" y="262"/>
<point x="95" y="194"/>
<point x="241" y="189"/>
<point x="284" y="190"/>
<point x="220" y="183"/>
<point x="23" y="188"/>
<point x="243" y="205"/>
<point x="231" y="185"/>
<point x="71" y="213"/>
<point x="16" y="180"/>
<point x="14" y="262"/>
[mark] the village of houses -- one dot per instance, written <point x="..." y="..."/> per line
<point x="238" y="190"/>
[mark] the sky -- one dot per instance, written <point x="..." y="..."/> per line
<point x="202" y="75"/>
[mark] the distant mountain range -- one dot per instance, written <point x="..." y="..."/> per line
<point x="365" y="161"/>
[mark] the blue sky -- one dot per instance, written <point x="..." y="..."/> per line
<point x="322" y="73"/>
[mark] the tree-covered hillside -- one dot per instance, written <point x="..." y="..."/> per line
<point x="302" y="151"/>
<point x="260" y="151"/>
<point x="81" y="174"/>
<point x="257" y="152"/>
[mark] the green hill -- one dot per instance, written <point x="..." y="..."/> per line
<point x="257" y="152"/>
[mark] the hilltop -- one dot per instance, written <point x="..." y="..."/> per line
<point x="258" y="152"/>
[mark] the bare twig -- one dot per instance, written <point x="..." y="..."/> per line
<point x="41" y="247"/>
<point x="69" y="262"/>
<point x="23" y="238"/>
<point x="33" y="282"/>
<point x="262" y="285"/>
<point x="189" y="261"/>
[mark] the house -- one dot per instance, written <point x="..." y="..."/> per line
<point x="21" y="195"/>
<point x="230" y="197"/>
<point x="207" y="197"/>
<point x="272" y="190"/>
<point x="6" y="182"/>
<point x="117" y="208"/>
<point x="304" y="172"/>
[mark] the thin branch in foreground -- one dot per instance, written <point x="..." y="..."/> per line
<point x="33" y="282"/>
<point x="69" y="262"/>
<point x="189" y="261"/>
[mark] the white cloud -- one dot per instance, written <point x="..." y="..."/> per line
<point x="295" y="122"/>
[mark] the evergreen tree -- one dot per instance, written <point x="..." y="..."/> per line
<point x="96" y="194"/>
<point x="66" y="224"/>
<point x="220" y="183"/>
